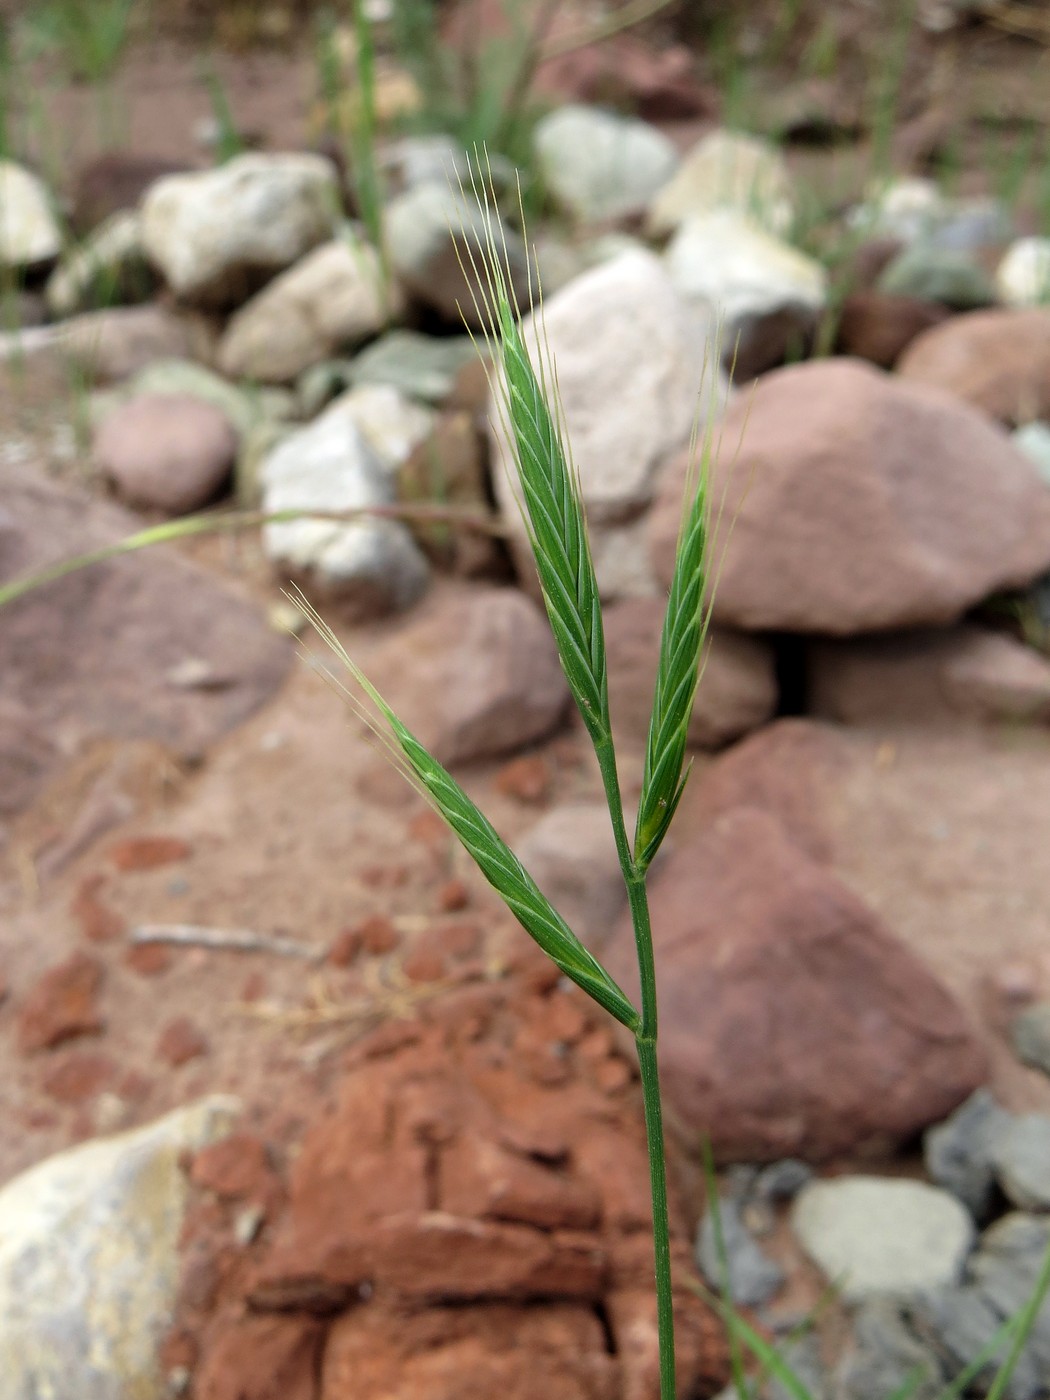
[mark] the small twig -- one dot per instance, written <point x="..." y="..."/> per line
<point x="235" y="940"/>
<point x="390" y="996"/>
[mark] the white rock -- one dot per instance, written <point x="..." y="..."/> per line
<point x="1034" y="441"/>
<point x="111" y="260"/>
<point x="598" y="165"/>
<point x="29" y="231"/>
<point x="332" y="300"/>
<point x="213" y="233"/>
<point x="903" y="209"/>
<point x="726" y="170"/>
<point x="373" y="565"/>
<point x="89" y="1260"/>
<point x="392" y="423"/>
<point x="744" y="275"/>
<point x="435" y="235"/>
<point x="1023" y="276"/>
<point x="883" y="1237"/>
<point x="630" y="359"/>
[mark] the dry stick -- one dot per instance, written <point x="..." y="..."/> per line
<point x="233" y="940"/>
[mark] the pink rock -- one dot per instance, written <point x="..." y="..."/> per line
<point x="169" y="452"/>
<point x="997" y="360"/>
<point x="859" y="502"/>
<point x="792" y="1021"/>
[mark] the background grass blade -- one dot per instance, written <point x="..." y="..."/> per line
<point x="678" y="673"/>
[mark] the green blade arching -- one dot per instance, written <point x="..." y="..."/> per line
<point x="678" y="672"/>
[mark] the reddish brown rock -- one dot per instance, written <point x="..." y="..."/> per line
<point x="879" y="327"/>
<point x="261" y="1358"/>
<point x="344" y="947"/>
<point x="181" y="1041"/>
<point x="453" y="896"/>
<point x="62" y="1005"/>
<point x="739" y="690"/>
<point x="115" y="181"/>
<point x="482" y="675"/>
<point x="792" y="1022"/>
<point x="79" y="1077"/>
<point x="149" y="959"/>
<point x="238" y="1168"/>
<point x="378" y="935"/>
<point x="527" y="779"/>
<point x="997" y="361"/>
<point x="98" y="922"/>
<point x="958" y="675"/>
<point x="861" y="502"/>
<point x="148" y="852"/>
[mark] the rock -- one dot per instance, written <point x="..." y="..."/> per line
<point x="319" y="384"/>
<point x="1021" y="1156"/>
<point x="331" y="300"/>
<point x="956" y="674"/>
<point x="89" y="1260"/>
<point x="262" y="1358"/>
<point x="599" y="166"/>
<point x="1030" y="1036"/>
<point x="421" y="366"/>
<point x="765" y="295"/>
<point x="476" y="675"/>
<point x="119" y="342"/>
<point x="959" y="1152"/>
<point x="738" y="691"/>
<point x="116" y="181"/>
<point x="571" y="854"/>
<point x="787" y="965"/>
<point x="183" y="378"/>
<point x="217" y="235"/>
<point x="435" y="236"/>
<point x="29" y="231"/>
<point x="906" y="210"/>
<point x="886" y="1355"/>
<point x="166" y="452"/>
<point x="998" y="361"/>
<point x="1034" y="441"/>
<point x="120" y="629"/>
<point x="657" y="81"/>
<point x="726" y="170"/>
<point x="929" y="274"/>
<point x="782" y="1181"/>
<point x="392" y="424"/>
<point x="62" y="1005"/>
<point x="449" y="468"/>
<point x="109" y="268"/>
<point x="879" y="327"/>
<point x="880" y="1237"/>
<point x="748" y="1277"/>
<point x="371" y="565"/>
<point x="623" y="412"/>
<point x="870" y="542"/>
<point x="1023" y="276"/>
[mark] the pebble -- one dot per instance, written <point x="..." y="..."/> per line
<point x="1030" y="1036"/>
<point x="1022" y="1162"/>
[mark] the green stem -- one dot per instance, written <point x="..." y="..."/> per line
<point x="645" y="1043"/>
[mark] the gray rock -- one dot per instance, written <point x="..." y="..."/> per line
<point x="1034" y="441"/>
<point x="166" y="452"/>
<point x="1023" y="276"/>
<point x="371" y="565"/>
<point x="89" y="1260"/>
<point x="624" y="410"/>
<point x="571" y="854"/>
<point x="433" y="234"/>
<point x="782" y="1181"/>
<point x="109" y="268"/>
<point x="317" y="386"/>
<point x="1030" y="1036"/>
<point x="1022" y="1161"/>
<point x="885" y="1354"/>
<point x="726" y="170"/>
<point x="883" y="1238"/>
<point x="961" y="1323"/>
<point x="751" y="1276"/>
<point x="421" y="366"/>
<point x="751" y="281"/>
<point x="216" y="235"/>
<point x="600" y="166"/>
<point x="333" y="299"/>
<point x="802" y="1356"/>
<point x="931" y="274"/>
<point x="29" y="231"/>
<point x="959" y="1151"/>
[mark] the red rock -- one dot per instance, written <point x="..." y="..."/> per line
<point x="701" y="1350"/>
<point x="997" y="361"/>
<point x="879" y="327"/>
<point x="526" y="779"/>
<point x="254" y="987"/>
<point x="861" y="502"/>
<point x="485" y="1179"/>
<point x="612" y="1075"/>
<point x="424" y="965"/>
<point x="97" y="921"/>
<point x="459" y="939"/>
<point x="148" y="852"/>
<point x="79" y="1077"/>
<point x="261" y="1358"/>
<point x="149" y="959"/>
<point x="62" y="1005"/>
<point x="378" y="935"/>
<point x="180" y="1041"/>
<point x="453" y="896"/>
<point x="557" y="1351"/>
<point x="237" y="1168"/>
<point x="344" y="948"/>
<point x="793" y="1023"/>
